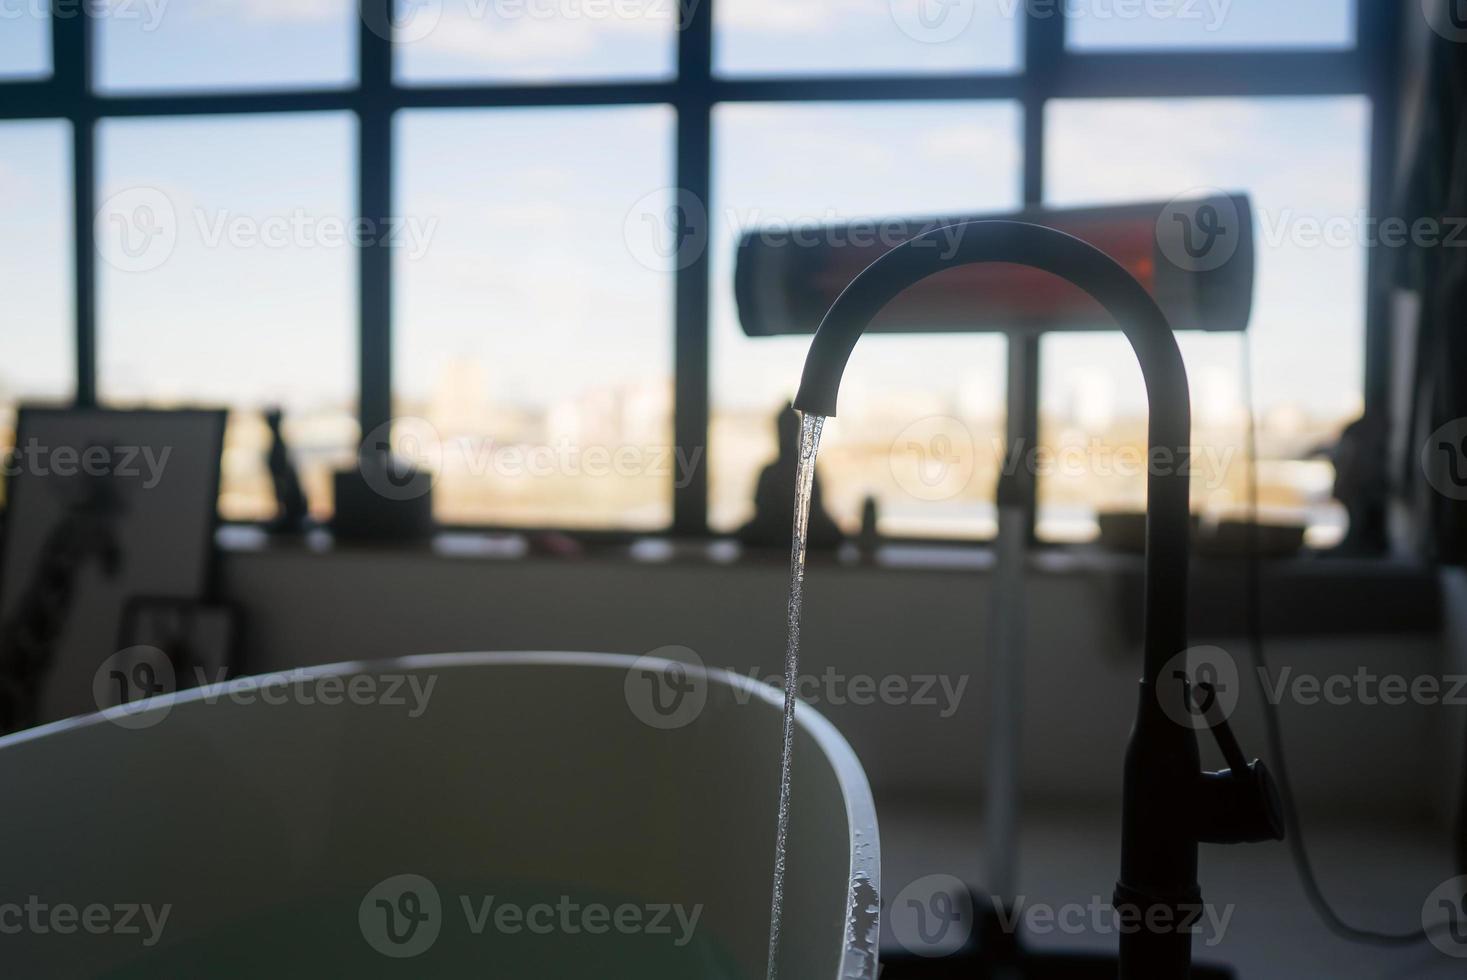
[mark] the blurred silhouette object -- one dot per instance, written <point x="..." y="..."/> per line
<point x="1361" y="485"/>
<point x="774" y="496"/>
<point x="85" y="531"/>
<point x="102" y="506"/>
<point x="383" y="498"/>
<point x="870" y="536"/>
<point x="291" y="513"/>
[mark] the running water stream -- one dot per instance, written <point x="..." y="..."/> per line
<point x="810" y="426"/>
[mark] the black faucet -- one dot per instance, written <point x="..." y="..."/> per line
<point x="1169" y="804"/>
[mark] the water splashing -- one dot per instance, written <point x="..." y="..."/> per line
<point x="810" y="426"/>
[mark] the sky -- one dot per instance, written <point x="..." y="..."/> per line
<point x="529" y="259"/>
<point x="274" y="43"/>
<point x="224" y="316"/>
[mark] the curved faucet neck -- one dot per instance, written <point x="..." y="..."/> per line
<point x="1139" y="317"/>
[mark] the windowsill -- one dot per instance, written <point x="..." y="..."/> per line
<point x="1045" y="558"/>
<point x="1307" y="594"/>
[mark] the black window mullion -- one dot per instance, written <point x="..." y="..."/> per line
<point x="1381" y="22"/>
<point x="1044" y="55"/>
<point x="694" y="182"/>
<point x="374" y="189"/>
<point x="71" y="38"/>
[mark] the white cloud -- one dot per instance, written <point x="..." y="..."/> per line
<point x="995" y="148"/>
<point x="794" y="16"/>
<point x="272" y="11"/>
<point x="518" y="42"/>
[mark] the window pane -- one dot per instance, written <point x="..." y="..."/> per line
<point x="862" y="37"/>
<point x="226" y="44"/>
<point x="1304" y="162"/>
<point x="813" y="165"/>
<point x="536" y="40"/>
<point x="25" y="40"/>
<point x="532" y="347"/>
<point x="37" y="333"/>
<point x="227" y="276"/>
<point x="1120" y="25"/>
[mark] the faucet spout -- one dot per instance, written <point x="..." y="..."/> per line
<point x="1158" y="880"/>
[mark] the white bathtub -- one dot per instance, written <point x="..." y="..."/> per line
<point x="267" y="832"/>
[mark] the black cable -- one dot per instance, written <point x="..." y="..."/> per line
<point x="1253" y="605"/>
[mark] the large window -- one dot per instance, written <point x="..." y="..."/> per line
<point x="225" y="44"/>
<point x="35" y="268"/>
<point x="25" y="41"/>
<point x="509" y="228"/>
<point x="856" y="37"/>
<point x="535" y="41"/>
<point x="1097" y="25"/>
<point x="226" y="278"/>
<point x="1304" y="164"/>
<point x="530" y="339"/>
<point x="922" y="158"/>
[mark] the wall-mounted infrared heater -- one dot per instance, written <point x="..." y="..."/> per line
<point x="1194" y="256"/>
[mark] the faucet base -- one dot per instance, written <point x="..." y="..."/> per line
<point x="996" y="951"/>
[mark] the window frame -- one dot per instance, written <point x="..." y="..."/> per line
<point x="1049" y="71"/>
